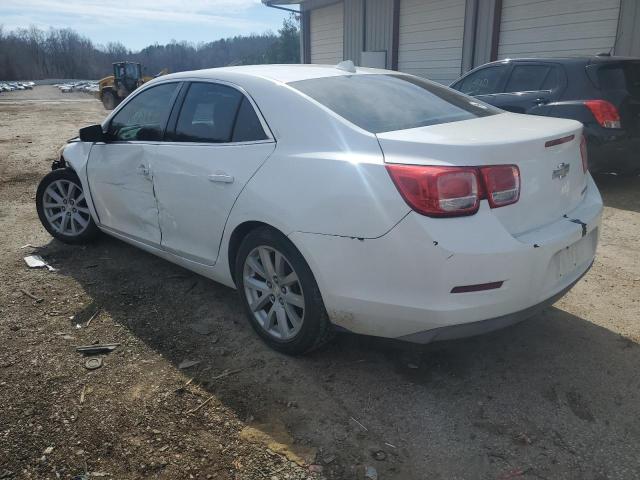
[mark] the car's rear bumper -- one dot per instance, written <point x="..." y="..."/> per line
<point x="609" y="152"/>
<point x="399" y="285"/>
<point x="485" y="326"/>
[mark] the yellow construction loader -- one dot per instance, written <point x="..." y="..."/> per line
<point x="127" y="76"/>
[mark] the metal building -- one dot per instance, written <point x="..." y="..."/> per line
<point x="441" y="39"/>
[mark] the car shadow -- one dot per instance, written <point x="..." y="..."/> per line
<point x="556" y="396"/>
<point x="618" y="191"/>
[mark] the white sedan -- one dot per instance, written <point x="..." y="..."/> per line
<point x="338" y="198"/>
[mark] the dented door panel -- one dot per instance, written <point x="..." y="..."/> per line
<point x="121" y="183"/>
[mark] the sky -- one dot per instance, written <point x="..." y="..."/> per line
<point x="138" y="23"/>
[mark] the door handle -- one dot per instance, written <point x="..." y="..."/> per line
<point x="221" y="178"/>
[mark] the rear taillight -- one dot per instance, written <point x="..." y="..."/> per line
<point x="605" y="113"/>
<point x="438" y="191"/>
<point x="584" y="154"/>
<point x="455" y="191"/>
<point x="502" y="184"/>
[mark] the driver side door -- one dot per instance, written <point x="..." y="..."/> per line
<point x="118" y="171"/>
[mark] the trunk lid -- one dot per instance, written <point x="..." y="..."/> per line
<point x="552" y="181"/>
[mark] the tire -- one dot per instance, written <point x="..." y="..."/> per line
<point x="294" y="294"/>
<point x="109" y="100"/>
<point x="62" y="208"/>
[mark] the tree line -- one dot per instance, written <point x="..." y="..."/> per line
<point x="34" y="54"/>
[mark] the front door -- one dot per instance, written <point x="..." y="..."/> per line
<point x="218" y="143"/>
<point x="118" y="171"/>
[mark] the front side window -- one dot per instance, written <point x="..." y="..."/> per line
<point x="527" y="78"/>
<point x="144" y="116"/>
<point x="484" y="82"/>
<point x="383" y="103"/>
<point x="208" y="113"/>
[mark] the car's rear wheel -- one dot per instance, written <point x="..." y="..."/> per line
<point x="280" y="295"/>
<point x="62" y="207"/>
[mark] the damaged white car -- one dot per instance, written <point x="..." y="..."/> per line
<point x="333" y="197"/>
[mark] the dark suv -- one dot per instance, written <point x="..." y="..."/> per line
<point x="602" y="92"/>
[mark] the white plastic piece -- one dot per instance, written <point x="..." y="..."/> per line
<point x="347" y="66"/>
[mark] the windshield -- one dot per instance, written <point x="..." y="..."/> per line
<point x="384" y="103"/>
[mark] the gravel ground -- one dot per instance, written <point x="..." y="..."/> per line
<point x="554" y="397"/>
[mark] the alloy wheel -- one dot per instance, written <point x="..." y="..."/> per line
<point x="274" y="292"/>
<point x="65" y="208"/>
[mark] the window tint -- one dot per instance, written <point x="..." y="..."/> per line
<point x="144" y="116"/>
<point x="623" y="76"/>
<point x="208" y="113"/>
<point x="553" y="79"/>
<point x="383" y="103"/>
<point x="248" y="127"/>
<point x="484" y="82"/>
<point x="527" y="78"/>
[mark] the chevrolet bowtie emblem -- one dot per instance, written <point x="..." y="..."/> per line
<point x="561" y="171"/>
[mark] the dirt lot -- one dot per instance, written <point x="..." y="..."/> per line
<point x="554" y="397"/>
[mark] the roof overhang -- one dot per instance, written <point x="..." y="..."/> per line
<point x="282" y="2"/>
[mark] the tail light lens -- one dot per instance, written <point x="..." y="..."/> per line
<point x="584" y="154"/>
<point x="502" y="184"/>
<point x="455" y="191"/>
<point x="437" y="191"/>
<point x="605" y="113"/>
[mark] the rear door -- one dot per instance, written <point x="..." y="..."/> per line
<point x="216" y="142"/>
<point x="531" y="86"/>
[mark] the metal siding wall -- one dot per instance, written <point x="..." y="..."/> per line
<point x="431" y="37"/>
<point x="353" y="30"/>
<point x="628" y="43"/>
<point x="379" y="27"/>
<point x="555" y="28"/>
<point x="484" y="32"/>
<point x="327" y="34"/>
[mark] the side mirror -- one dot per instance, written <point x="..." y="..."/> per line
<point x="92" y="134"/>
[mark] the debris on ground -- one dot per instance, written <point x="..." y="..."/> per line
<point x="36" y="261"/>
<point x="97" y="348"/>
<point x="93" y="363"/>
<point x="97" y="312"/>
<point x="188" y="364"/>
<point x="370" y="473"/>
<point x="360" y="425"/>
<point x="379" y="455"/>
<point x="31" y="296"/>
<point x="202" y="328"/>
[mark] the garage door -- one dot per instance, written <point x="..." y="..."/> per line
<point x="431" y="38"/>
<point x="327" y="30"/>
<point x="555" y="28"/>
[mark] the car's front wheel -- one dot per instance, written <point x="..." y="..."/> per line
<point x="62" y="207"/>
<point x="280" y="294"/>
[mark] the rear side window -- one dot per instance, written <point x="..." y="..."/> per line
<point x="248" y="127"/>
<point x="144" y="116"/>
<point x="208" y="113"/>
<point x="383" y="103"/>
<point x="623" y="77"/>
<point x="527" y="78"/>
<point x="484" y="82"/>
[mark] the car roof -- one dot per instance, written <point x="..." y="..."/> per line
<point x="278" y="73"/>
<point x="585" y="60"/>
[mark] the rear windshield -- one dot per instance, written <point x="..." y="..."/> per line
<point x="383" y="103"/>
<point x="620" y="76"/>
